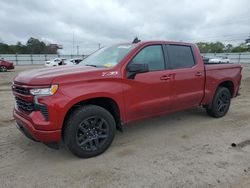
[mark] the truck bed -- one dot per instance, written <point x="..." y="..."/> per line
<point x="217" y="74"/>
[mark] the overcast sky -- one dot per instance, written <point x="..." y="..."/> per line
<point x="110" y="21"/>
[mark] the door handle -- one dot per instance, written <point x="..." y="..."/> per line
<point x="198" y="74"/>
<point x="165" y="77"/>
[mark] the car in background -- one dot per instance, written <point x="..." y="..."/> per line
<point x="74" y="61"/>
<point x="6" y="65"/>
<point x="55" y="62"/>
<point x="219" y="60"/>
<point x="205" y="59"/>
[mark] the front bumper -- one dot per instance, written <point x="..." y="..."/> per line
<point x="11" y="67"/>
<point x="28" y="129"/>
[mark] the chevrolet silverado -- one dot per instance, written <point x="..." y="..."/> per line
<point x="82" y="106"/>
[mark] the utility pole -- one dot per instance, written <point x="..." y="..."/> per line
<point x="77" y="50"/>
<point x="73" y="44"/>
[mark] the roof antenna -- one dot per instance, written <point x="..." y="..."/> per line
<point x="136" y="40"/>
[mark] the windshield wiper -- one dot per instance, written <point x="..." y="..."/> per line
<point x="90" y="65"/>
<point x="97" y="66"/>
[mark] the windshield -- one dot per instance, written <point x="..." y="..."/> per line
<point x="108" y="56"/>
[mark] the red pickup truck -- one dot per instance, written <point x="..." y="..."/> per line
<point x="83" y="105"/>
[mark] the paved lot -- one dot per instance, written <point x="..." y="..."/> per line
<point x="187" y="149"/>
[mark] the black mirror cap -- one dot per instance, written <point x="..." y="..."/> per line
<point x="138" y="68"/>
<point x="134" y="69"/>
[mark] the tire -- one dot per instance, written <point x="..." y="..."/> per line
<point x="220" y="104"/>
<point x="89" y="131"/>
<point x="3" y="69"/>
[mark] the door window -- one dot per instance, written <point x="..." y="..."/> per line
<point x="180" y="56"/>
<point x="151" y="55"/>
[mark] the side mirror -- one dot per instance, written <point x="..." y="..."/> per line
<point x="133" y="69"/>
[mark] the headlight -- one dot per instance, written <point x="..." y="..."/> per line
<point x="45" y="91"/>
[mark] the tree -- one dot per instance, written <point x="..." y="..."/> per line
<point x="217" y="47"/>
<point x="19" y="48"/>
<point x="203" y="46"/>
<point x="33" y="46"/>
<point x="5" y="49"/>
<point x="241" y="48"/>
<point x="228" y="48"/>
<point x="248" y="43"/>
<point x="206" y="47"/>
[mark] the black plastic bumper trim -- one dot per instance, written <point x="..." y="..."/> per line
<point x="25" y="132"/>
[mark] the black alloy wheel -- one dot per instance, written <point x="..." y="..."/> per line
<point x="220" y="104"/>
<point x="223" y="102"/>
<point x="89" y="131"/>
<point x="92" y="133"/>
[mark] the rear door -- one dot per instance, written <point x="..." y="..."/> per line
<point x="187" y="76"/>
<point x="149" y="93"/>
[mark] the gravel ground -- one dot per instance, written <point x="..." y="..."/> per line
<point x="186" y="149"/>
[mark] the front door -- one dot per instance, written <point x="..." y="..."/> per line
<point x="150" y="93"/>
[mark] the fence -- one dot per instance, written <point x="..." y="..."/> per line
<point x="34" y="59"/>
<point x="38" y="59"/>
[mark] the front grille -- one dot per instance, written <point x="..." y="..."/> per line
<point x="29" y="107"/>
<point x="21" y="90"/>
<point x="44" y="111"/>
<point x="25" y="105"/>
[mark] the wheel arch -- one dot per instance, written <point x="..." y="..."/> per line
<point x="210" y="90"/>
<point x="229" y="85"/>
<point x="105" y="102"/>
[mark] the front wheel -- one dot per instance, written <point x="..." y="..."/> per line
<point x="89" y="131"/>
<point x="220" y="104"/>
<point x="3" y="69"/>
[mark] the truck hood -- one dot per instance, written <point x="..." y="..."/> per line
<point x="45" y="76"/>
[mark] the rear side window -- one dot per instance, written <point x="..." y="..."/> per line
<point x="180" y="56"/>
<point x="151" y="55"/>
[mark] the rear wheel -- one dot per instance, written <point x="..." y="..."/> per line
<point x="3" y="69"/>
<point x="89" y="131"/>
<point x="220" y="104"/>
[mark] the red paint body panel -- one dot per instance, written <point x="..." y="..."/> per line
<point x="9" y="65"/>
<point x="144" y="96"/>
<point x="147" y="95"/>
<point x="50" y="136"/>
<point x="218" y="73"/>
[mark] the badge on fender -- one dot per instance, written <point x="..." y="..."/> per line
<point x="109" y="73"/>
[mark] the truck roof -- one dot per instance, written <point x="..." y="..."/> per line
<point x="158" y="42"/>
